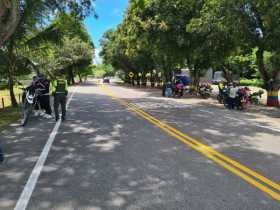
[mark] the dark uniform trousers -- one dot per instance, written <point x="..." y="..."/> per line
<point x="45" y="104"/>
<point x="60" y="99"/>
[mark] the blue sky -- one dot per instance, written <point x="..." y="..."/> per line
<point x="110" y="14"/>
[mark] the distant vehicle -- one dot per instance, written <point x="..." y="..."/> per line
<point x="106" y="80"/>
<point x="218" y="77"/>
<point x="184" y="79"/>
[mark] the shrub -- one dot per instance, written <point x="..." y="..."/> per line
<point x="252" y="82"/>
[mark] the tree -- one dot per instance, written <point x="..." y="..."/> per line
<point x="153" y="37"/>
<point x="72" y="58"/>
<point x="9" y="18"/>
<point x="252" y="26"/>
<point x="15" y="54"/>
<point x="13" y="11"/>
<point x="103" y="70"/>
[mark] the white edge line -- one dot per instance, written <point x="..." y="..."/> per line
<point x="270" y="128"/>
<point x="238" y="120"/>
<point x="205" y="111"/>
<point x="33" y="178"/>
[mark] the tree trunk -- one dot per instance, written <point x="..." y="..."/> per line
<point x="10" y="69"/>
<point x="272" y="97"/>
<point x="196" y="78"/>
<point x="144" y="80"/>
<point x="138" y="80"/>
<point x="272" y="92"/>
<point x="80" y="78"/>
<point x="227" y="75"/>
<point x="71" y="75"/>
<point x="11" y="87"/>
<point x="9" y="19"/>
<point x="270" y="80"/>
<point x="152" y="79"/>
<point x="261" y="66"/>
<point x="167" y="75"/>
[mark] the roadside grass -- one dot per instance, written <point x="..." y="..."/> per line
<point x="4" y="94"/>
<point x="7" y="116"/>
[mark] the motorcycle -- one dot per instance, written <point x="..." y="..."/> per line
<point x="255" y="97"/>
<point x="245" y="98"/>
<point x="179" y="90"/>
<point x="205" y="91"/>
<point x="30" y="100"/>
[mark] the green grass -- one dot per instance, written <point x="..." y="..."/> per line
<point x="8" y="116"/>
<point x="5" y="94"/>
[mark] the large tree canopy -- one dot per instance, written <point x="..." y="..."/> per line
<point x="238" y="37"/>
<point x="61" y="45"/>
<point x="13" y="12"/>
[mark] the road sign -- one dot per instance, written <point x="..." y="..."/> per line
<point x="131" y="74"/>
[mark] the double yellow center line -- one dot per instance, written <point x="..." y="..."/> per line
<point x="257" y="180"/>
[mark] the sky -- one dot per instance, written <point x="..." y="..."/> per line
<point x="110" y="14"/>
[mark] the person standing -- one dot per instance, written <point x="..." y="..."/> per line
<point x="233" y="96"/>
<point x="221" y="87"/>
<point x="45" y="98"/>
<point x="59" y="90"/>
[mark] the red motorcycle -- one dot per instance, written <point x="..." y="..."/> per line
<point x="179" y="90"/>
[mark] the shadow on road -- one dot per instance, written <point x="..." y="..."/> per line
<point x="112" y="160"/>
<point x="106" y="158"/>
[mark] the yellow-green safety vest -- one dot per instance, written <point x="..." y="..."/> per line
<point x="59" y="86"/>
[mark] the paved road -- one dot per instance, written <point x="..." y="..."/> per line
<point x="106" y="156"/>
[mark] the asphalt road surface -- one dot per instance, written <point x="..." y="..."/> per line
<point x="128" y="149"/>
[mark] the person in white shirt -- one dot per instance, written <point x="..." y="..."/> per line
<point x="232" y="96"/>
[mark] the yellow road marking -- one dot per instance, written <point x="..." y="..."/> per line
<point x="209" y="152"/>
<point x="218" y="154"/>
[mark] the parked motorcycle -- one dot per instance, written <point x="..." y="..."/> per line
<point x="255" y="97"/>
<point x="205" y="91"/>
<point x="179" y="90"/>
<point x="30" y="100"/>
<point x="245" y="98"/>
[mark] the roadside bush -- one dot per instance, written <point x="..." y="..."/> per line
<point x="252" y="82"/>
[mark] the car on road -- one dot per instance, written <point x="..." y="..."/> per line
<point x="106" y="80"/>
<point x="218" y="77"/>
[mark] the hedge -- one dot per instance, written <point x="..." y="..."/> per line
<point x="252" y="82"/>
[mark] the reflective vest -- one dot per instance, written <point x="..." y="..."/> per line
<point x="221" y="86"/>
<point x="59" y="86"/>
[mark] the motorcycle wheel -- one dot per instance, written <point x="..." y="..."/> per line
<point x="205" y="95"/>
<point x="27" y="109"/>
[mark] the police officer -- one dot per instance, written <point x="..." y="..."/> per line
<point x="59" y="89"/>
<point x="45" y="98"/>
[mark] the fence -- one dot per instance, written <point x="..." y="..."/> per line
<point x="5" y="100"/>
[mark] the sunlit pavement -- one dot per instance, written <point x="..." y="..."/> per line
<point x="105" y="156"/>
